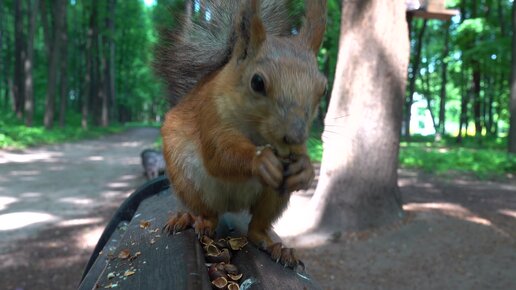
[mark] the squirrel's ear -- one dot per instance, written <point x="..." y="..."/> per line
<point x="250" y="30"/>
<point x="312" y="32"/>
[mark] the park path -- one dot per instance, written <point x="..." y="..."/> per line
<point x="55" y="201"/>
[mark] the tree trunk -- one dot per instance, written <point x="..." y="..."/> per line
<point x="358" y="186"/>
<point x="89" y="59"/>
<point x="512" y="125"/>
<point x="55" y="57"/>
<point x="463" y="120"/>
<point x="20" y="55"/>
<point x="412" y="79"/>
<point x="477" y="102"/>
<point x="111" y="72"/>
<point x="444" y="81"/>
<point x="3" y="64"/>
<point x="32" y="8"/>
<point x="64" y="71"/>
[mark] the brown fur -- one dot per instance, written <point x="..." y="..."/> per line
<point x="210" y="138"/>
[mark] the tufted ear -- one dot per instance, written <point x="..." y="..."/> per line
<point x="312" y="32"/>
<point x="250" y="30"/>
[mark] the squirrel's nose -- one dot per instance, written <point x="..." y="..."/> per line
<point x="297" y="134"/>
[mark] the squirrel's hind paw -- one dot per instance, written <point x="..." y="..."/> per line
<point x="178" y="222"/>
<point x="183" y="220"/>
<point x="284" y="256"/>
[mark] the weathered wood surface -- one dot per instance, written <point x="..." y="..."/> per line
<point x="160" y="261"/>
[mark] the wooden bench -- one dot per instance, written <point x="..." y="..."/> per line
<point x="133" y="253"/>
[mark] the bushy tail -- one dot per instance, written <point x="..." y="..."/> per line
<point x="198" y="47"/>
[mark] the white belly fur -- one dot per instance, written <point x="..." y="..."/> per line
<point x="219" y="195"/>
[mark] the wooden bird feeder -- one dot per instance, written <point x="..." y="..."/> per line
<point x="430" y="9"/>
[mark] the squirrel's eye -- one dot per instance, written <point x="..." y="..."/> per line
<point x="325" y="91"/>
<point x="258" y="85"/>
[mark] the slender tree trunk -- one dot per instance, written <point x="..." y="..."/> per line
<point x="358" y="187"/>
<point x="3" y="82"/>
<point x="413" y="77"/>
<point x="477" y="102"/>
<point x="55" y="58"/>
<point x="46" y="30"/>
<point x="512" y="125"/>
<point x="20" y="55"/>
<point x="112" y="60"/>
<point x="88" y="92"/>
<point x="32" y="7"/>
<point x="463" y="120"/>
<point x="64" y="71"/>
<point x="444" y="80"/>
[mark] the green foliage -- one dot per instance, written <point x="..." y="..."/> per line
<point x="486" y="161"/>
<point x="14" y="134"/>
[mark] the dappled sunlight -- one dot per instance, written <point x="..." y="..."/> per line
<point x="80" y="222"/>
<point x="116" y="185"/>
<point x="296" y="218"/>
<point x="131" y="144"/>
<point x="88" y="238"/>
<point x="5" y="201"/>
<point x="31" y="195"/>
<point x="76" y="200"/>
<point x="19" y="173"/>
<point x="10" y="157"/>
<point x="128" y="177"/>
<point x="18" y="220"/>
<point x="508" y="212"/>
<point x="95" y="158"/>
<point x="449" y="209"/>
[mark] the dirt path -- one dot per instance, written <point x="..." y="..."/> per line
<point x="460" y="234"/>
<point x="55" y="201"/>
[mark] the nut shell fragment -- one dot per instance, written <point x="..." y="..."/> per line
<point x="223" y="257"/>
<point x="235" y="277"/>
<point x="211" y="250"/>
<point x="205" y="240"/>
<point x="220" y="283"/>
<point x="237" y="244"/>
<point x="233" y="286"/>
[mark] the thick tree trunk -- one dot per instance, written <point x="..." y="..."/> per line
<point x="64" y="72"/>
<point x="412" y="79"/>
<point x="358" y="187"/>
<point x="20" y="55"/>
<point x="444" y="81"/>
<point x="512" y="128"/>
<point x="32" y="7"/>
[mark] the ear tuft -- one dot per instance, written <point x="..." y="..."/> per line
<point x="251" y="32"/>
<point x="312" y="32"/>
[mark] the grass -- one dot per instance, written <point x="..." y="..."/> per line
<point x="484" y="158"/>
<point x="14" y="134"/>
<point x="435" y="158"/>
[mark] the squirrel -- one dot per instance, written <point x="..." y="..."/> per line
<point x="244" y="86"/>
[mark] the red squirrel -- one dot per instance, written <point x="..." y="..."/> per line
<point x="245" y="86"/>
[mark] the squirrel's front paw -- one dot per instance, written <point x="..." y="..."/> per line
<point x="268" y="167"/>
<point x="299" y="174"/>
